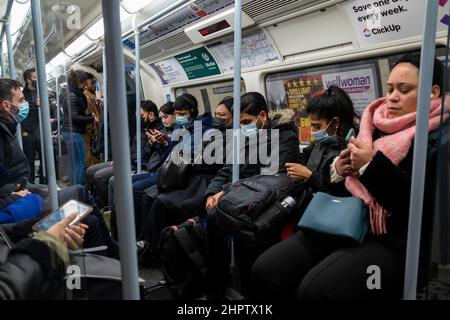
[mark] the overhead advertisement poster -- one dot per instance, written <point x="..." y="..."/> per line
<point x="169" y="71"/>
<point x="198" y="63"/>
<point x="376" y="21"/>
<point x="257" y="49"/>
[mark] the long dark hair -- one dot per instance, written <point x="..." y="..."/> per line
<point x="253" y="103"/>
<point x="334" y="102"/>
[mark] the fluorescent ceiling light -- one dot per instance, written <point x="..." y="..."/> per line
<point x="134" y="6"/>
<point x="78" y="45"/>
<point x="18" y="15"/>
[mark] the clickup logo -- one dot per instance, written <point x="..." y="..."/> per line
<point x="367" y="32"/>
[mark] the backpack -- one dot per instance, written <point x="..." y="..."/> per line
<point x="182" y="251"/>
<point x="251" y="209"/>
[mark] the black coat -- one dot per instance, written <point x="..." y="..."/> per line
<point x="31" y="123"/>
<point x="289" y="151"/>
<point x="11" y="156"/>
<point x="146" y="148"/>
<point x="390" y="185"/>
<point x="318" y="157"/>
<point x="28" y="269"/>
<point x="74" y="106"/>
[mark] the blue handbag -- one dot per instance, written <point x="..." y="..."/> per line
<point x="339" y="218"/>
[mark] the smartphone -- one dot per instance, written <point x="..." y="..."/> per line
<point x="59" y="214"/>
<point x="350" y="134"/>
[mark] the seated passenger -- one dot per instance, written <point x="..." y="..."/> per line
<point x="99" y="175"/>
<point x="15" y="163"/>
<point x="332" y="116"/>
<point x="174" y="207"/>
<point x="140" y="182"/>
<point x="34" y="268"/>
<point x="186" y="112"/>
<point x="308" y="268"/>
<point x="254" y="116"/>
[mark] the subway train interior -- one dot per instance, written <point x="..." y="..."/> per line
<point x="224" y="150"/>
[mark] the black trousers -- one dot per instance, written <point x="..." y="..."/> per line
<point x="220" y="273"/>
<point x="31" y="147"/>
<point x="97" y="179"/>
<point x="304" y="268"/>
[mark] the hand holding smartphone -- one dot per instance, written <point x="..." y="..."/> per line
<point x="59" y="214"/>
<point x="351" y="133"/>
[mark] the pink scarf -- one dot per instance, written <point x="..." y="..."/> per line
<point x="395" y="145"/>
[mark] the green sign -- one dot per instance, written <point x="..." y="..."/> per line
<point x="198" y="63"/>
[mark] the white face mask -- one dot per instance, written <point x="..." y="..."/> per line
<point x="250" y="129"/>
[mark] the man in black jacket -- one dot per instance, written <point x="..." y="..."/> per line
<point x="30" y="126"/>
<point x="13" y="160"/>
<point x="11" y="156"/>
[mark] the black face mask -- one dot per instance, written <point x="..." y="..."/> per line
<point x="219" y="123"/>
<point x="34" y="84"/>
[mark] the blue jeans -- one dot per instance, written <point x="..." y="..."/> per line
<point x="77" y="156"/>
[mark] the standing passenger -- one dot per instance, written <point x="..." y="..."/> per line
<point x="76" y="118"/>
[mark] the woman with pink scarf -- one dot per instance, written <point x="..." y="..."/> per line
<point x="376" y="167"/>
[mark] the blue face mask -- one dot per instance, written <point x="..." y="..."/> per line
<point x="182" y="120"/>
<point x="24" y="108"/>
<point x="250" y="129"/>
<point x="322" y="136"/>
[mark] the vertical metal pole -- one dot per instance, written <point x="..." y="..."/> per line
<point x="237" y="86"/>
<point x="42" y="79"/>
<point x="12" y="69"/>
<point x="138" y="99"/>
<point x="105" y="107"/>
<point x="236" y="112"/>
<point x="58" y="115"/>
<point x="2" y="62"/>
<point x="420" y="151"/>
<point x="12" y="73"/>
<point x="41" y="136"/>
<point x="121" y="149"/>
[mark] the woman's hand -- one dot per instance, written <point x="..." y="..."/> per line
<point x="298" y="171"/>
<point x="343" y="164"/>
<point x="360" y="154"/>
<point x="213" y="200"/>
<point x="160" y="137"/>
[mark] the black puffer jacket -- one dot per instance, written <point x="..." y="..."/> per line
<point x="26" y="268"/>
<point x="31" y="123"/>
<point x="289" y="151"/>
<point x="11" y="156"/>
<point x="74" y="105"/>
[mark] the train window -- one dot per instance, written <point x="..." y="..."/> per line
<point x="209" y="95"/>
